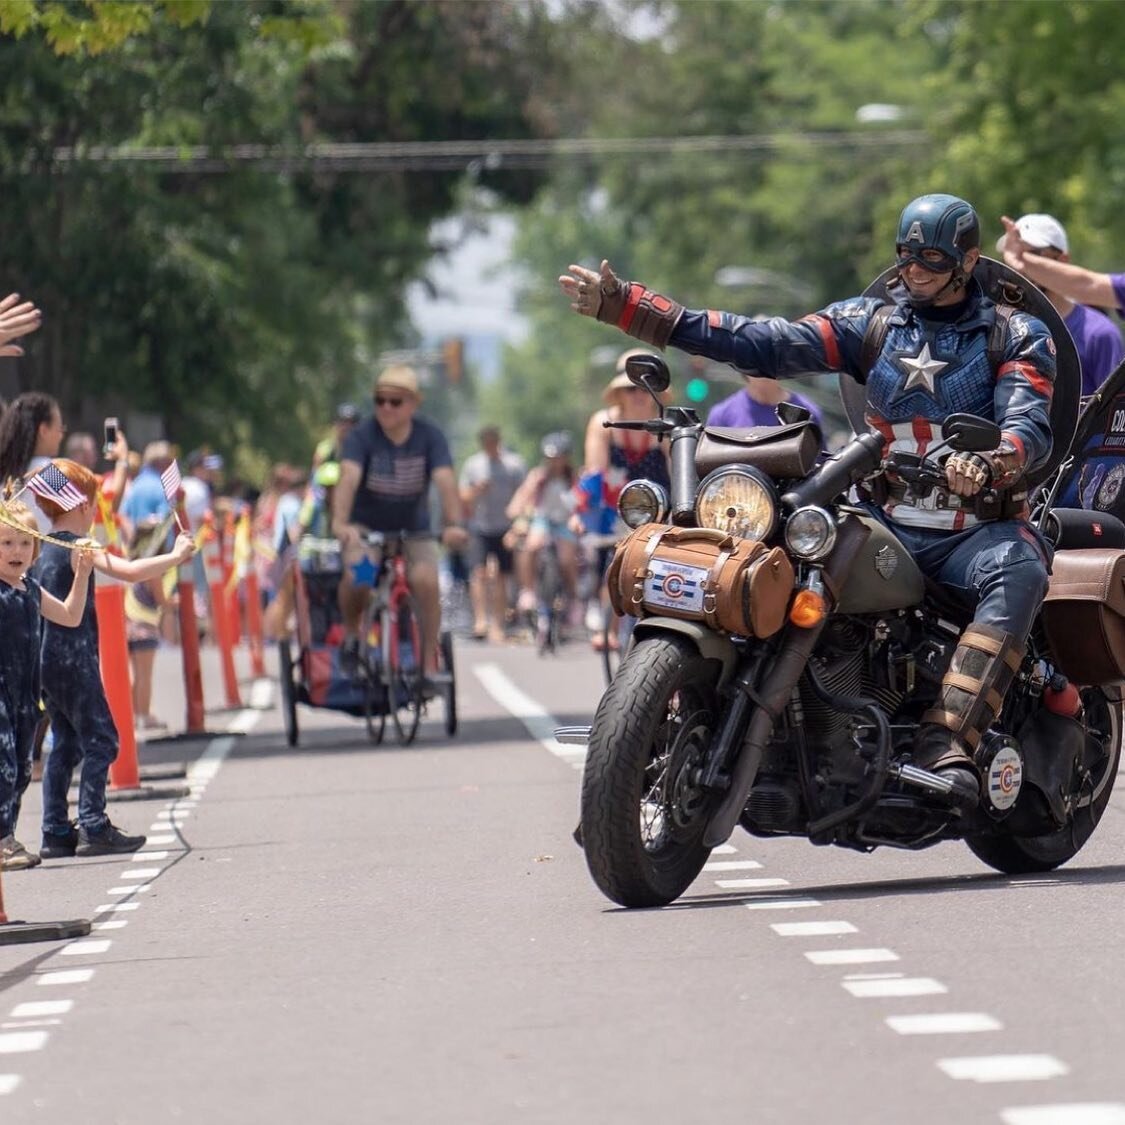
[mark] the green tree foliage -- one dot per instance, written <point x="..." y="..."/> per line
<point x="239" y="305"/>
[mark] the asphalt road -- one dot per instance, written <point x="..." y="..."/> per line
<point x="340" y="933"/>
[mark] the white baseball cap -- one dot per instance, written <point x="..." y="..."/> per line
<point x="1041" y="231"/>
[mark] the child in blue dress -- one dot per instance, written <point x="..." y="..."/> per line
<point x="24" y="606"/>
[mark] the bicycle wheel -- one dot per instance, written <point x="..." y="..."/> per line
<point x="449" y="692"/>
<point x="374" y="691"/>
<point x="402" y="668"/>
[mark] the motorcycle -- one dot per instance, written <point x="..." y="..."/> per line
<point x="798" y="718"/>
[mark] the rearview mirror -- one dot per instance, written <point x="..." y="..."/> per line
<point x="648" y="371"/>
<point x="966" y="433"/>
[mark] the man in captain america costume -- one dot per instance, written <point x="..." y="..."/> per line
<point x="937" y="354"/>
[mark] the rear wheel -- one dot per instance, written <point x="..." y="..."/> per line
<point x="642" y="814"/>
<point x="1023" y="855"/>
<point x="285" y="672"/>
<point x="402" y="666"/>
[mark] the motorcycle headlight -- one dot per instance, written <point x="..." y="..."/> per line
<point x="810" y="533"/>
<point x="642" y="501"/>
<point x="738" y="500"/>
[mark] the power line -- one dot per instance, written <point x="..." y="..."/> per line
<point x="454" y="155"/>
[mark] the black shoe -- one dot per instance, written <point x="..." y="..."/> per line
<point x="59" y="845"/>
<point x="109" y="841"/>
<point x="349" y="656"/>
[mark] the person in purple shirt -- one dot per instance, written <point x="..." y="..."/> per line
<point x="756" y="405"/>
<point x="1037" y="246"/>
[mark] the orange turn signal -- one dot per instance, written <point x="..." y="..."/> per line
<point x="808" y="609"/>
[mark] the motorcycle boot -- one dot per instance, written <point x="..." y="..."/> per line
<point x="972" y="692"/>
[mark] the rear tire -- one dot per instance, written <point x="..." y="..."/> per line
<point x="285" y="672"/>
<point x="1026" y="855"/>
<point x="642" y="818"/>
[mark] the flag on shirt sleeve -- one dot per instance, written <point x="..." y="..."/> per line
<point x="171" y="480"/>
<point x="51" y="483"/>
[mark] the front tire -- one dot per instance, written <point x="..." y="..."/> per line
<point x="1026" y="855"/>
<point x="642" y="816"/>
<point x="285" y="677"/>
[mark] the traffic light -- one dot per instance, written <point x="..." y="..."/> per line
<point x="453" y="359"/>
<point x="697" y="389"/>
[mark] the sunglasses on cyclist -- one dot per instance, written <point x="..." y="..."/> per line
<point x="383" y="400"/>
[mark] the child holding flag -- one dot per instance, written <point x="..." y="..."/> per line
<point x="24" y="606"/>
<point x="72" y="684"/>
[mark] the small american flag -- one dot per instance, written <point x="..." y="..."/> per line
<point x="51" y="484"/>
<point x="171" y="480"/>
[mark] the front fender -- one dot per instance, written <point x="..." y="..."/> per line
<point x="711" y="645"/>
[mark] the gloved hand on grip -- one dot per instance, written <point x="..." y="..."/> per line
<point x="967" y="473"/>
<point x="634" y="309"/>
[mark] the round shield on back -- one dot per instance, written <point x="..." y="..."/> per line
<point x="1005" y="286"/>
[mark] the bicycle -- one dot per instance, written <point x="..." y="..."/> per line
<point x="390" y="658"/>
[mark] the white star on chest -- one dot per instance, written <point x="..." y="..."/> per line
<point x="921" y="370"/>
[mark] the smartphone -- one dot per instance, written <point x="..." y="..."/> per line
<point x="110" y="437"/>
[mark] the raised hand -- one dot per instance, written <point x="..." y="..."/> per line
<point x="17" y="318"/>
<point x="589" y="290"/>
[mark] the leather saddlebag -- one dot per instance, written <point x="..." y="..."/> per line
<point x="734" y="585"/>
<point x="779" y="451"/>
<point x="1084" y="615"/>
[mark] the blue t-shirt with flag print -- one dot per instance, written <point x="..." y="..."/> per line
<point x="394" y="483"/>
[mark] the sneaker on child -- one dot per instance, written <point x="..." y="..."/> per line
<point x="15" y="857"/>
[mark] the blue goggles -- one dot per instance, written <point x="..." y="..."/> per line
<point x="945" y="264"/>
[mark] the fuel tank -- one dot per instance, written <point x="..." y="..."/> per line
<point x="883" y="577"/>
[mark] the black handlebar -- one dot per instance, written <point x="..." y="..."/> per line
<point x="858" y="459"/>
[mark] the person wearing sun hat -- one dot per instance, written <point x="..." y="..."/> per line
<point x="1036" y="245"/>
<point x="387" y="465"/>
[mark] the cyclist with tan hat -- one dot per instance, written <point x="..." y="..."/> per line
<point x="387" y="465"/>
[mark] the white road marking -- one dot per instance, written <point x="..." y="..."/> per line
<point x="21" y="1042"/>
<point x="139" y="889"/>
<point x="781" y="904"/>
<point x="33" y="1009"/>
<point x="110" y="907"/>
<point x="850" y="956"/>
<point x="8" y="1083"/>
<point x="66" y="976"/>
<point x="895" y="986"/>
<point x="10" y="1024"/>
<point x="539" y="722"/>
<point x="159" y="841"/>
<point x="812" y="929"/>
<point x="724" y="849"/>
<point x="141" y="873"/>
<point x="1004" y="1068"/>
<point x="119" y="925"/>
<point x="733" y="865"/>
<point x="147" y="857"/>
<point x="80" y="948"/>
<point x="747" y="884"/>
<point x="1077" y="1113"/>
<point x="943" y="1023"/>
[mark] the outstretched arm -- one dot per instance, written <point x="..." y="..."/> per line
<point x="1083" y="286"/>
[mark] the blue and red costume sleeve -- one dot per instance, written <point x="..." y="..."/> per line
<point x="1025" y="382"/>
<point x="829" y="340"/>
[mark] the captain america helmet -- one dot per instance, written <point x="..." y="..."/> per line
<point x="937" y="222"/>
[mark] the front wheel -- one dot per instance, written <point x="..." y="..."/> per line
<point x="642" y="813"/>
<point x="402" y="669"/>
<point x="1025" y="855"/>
<point x="285" y="678"/>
